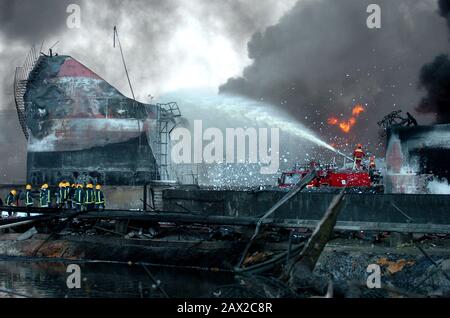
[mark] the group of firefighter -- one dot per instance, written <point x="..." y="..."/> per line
<point x="75" y="196"/>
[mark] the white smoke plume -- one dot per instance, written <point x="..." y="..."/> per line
<point x="438" y="187"/>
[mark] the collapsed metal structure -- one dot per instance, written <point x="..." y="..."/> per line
<point x="416" y="156"/>
<point x="81" y="128"/>
<point x="394" y="119"/>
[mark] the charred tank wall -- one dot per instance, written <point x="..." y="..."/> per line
<point x="127" y="163"/>
<point x="83" y="129"/>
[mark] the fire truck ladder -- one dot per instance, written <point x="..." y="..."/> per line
<point x="167" y="113"/>
<point x="21" y="81"/>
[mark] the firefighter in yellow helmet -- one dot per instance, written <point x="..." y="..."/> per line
<point x="11" y="200"/>
<point x="45" y="198"/>
<point x="99" y="198"/>
<point x="71" y="195"/>
<point x="89" y="198"/>
<point x="29" y="197"/>
<point x="60" y="195"/>
<point x="79" y="198"/>
<point x="67" y="204"/>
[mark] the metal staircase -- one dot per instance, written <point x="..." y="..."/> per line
<point x="21" y="81"/>
<point x="167" y="113"/>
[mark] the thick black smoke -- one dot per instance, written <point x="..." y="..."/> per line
<point x="321" y="59"/>
<point x="444" y="9"/>
<point x="435" y="78"/>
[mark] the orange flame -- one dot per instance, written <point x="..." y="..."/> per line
<point x="333" y="121"/>
<point x="357" y="110"/>
<point x="346" y="125"/>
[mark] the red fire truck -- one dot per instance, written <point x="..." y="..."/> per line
<point x="331" y="177"/>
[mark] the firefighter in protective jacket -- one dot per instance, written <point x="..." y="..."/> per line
<point x="89" y="197"/>
<point x="45" y="198"/>
<point x="99" y="198"/>
<point x="79" y="198"/>
<point x="358" y="156"/>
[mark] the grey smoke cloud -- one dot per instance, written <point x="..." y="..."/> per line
<point x="172" y="43"/>
<point x="12" y="163"/>
<point x="167" y="43"/>
<point x="321" y="60"/>
<point x="150" y="31"/>
<point x="32" y="20"/>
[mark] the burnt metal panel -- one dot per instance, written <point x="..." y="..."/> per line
<point x="127" y="163"/>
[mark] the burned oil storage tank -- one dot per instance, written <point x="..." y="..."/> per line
<point x="81" y="128"/>
<point x="418" y="159"/>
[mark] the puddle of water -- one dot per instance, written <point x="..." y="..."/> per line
<point x="49" y="280"/>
